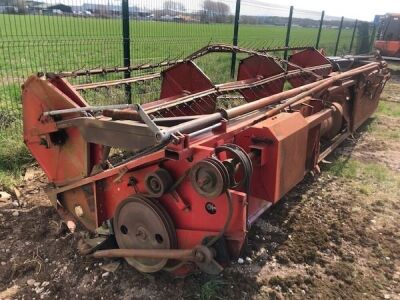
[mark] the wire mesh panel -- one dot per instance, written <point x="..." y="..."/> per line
<point x="171" y="30"/>
<point x="76" y="37"/>
<point x="51" y="37"/>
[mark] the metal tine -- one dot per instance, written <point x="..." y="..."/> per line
<point x="202" y="111"/>
<point x="207" y="103"/>
<point x="191" y="107"/>
<point x="180" y="110"/>
<point x="252" y="45"/>
<point x="171" y="112"/>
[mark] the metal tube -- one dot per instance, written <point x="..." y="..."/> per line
<point x="87" y="108"/>
<point x="95" y="85"/>
<point x="197" y="124"/>
<point x="201" y="131"/>
<point x="111" y="70"/>
<point x="283" y="49"/>
<point x="320" y="29"/>
<point x="338" y="36"/>
<point x="292" y="96"/>
<point x="179" y="254"/>
<point x="289" y="27"/>
<point x="305" y="90"/>
<point x="234" y="86"/>
<point x="353" y="36"/>
<point x="235" y="37"/>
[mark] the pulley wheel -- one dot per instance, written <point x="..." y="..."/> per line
<point x="209" y="177"/>
<point x="142" y="223"/>
<point x="158" y="182"/>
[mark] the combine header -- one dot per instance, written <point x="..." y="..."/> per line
<point x="206" y="160"/>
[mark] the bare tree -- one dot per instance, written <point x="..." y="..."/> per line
<point x="174" y="6"/>
<point x="21" y="5"/>
<point x="216" y="11"/>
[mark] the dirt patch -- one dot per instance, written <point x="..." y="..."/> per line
<point x="391" y="91"/>
<point x="382" y="146"/>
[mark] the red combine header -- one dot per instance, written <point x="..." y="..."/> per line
<point x="206" y="160"/>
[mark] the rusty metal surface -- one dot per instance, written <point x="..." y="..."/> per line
<point x="141" y="223"/>
<point x="202" y="198"/>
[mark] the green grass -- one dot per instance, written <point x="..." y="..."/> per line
<point x="13" y="157"/>
<point x="32" y="43"/>
<point x="211" y="289"/>
<point x="390" y="109"/>
<point x="366" y="178"/>
<point x="353" y="169"/>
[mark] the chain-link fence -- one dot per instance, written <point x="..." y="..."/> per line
<point x="145" y="36"/>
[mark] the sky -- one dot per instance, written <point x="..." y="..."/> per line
<point x="353" y="9"/>
<point x="356" y="9"/>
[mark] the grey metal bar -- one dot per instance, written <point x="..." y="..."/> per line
<point x="289" y="27"/>
<point x="353" y="36"/>
<point x="371" y="43"/>
<point x="88" y="108"/>
<point x="235" y="37"/>
<point x="320" y="29"/>
<point x="127" y="47"/>
<point x="338" y="36"/>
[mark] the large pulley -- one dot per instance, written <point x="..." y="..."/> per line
<point x="211" y="177"/>
<point x="142" y="223"/>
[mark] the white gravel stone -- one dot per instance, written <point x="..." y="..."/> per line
<point x="5" y="196"/>
<point x="30" y="282"/>
<point x="240" y="260"/>
<point x="45" y="283"/>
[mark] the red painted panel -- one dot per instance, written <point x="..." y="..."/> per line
<point x="258" y="67"/>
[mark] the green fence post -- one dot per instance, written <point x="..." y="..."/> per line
<point x="353" y="36"/>
<point x="320" y="29"/>
<point x="289" y="27"/>
<point x="371" y="43"/>
<point x="235" y="37"/>
<point x="126" y="40"/>
<point x="338" y="36"/>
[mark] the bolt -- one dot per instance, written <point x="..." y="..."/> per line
<point x="141" y="234"/>
<point x="198" y="256"/>
<point x="78" y="211"/>
<point x="203" y="181"/>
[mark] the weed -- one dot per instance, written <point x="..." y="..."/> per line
<point x="13" y="156"/>
<point x="390" y="109"/>
<point x="211" y="288"/>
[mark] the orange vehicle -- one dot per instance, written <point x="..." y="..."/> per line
<point x="388" y="38"/>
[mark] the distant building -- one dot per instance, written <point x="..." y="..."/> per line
<point x="36" y="7"/>
<point x="61" y="7"/>
<point x="8" y="9"/>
